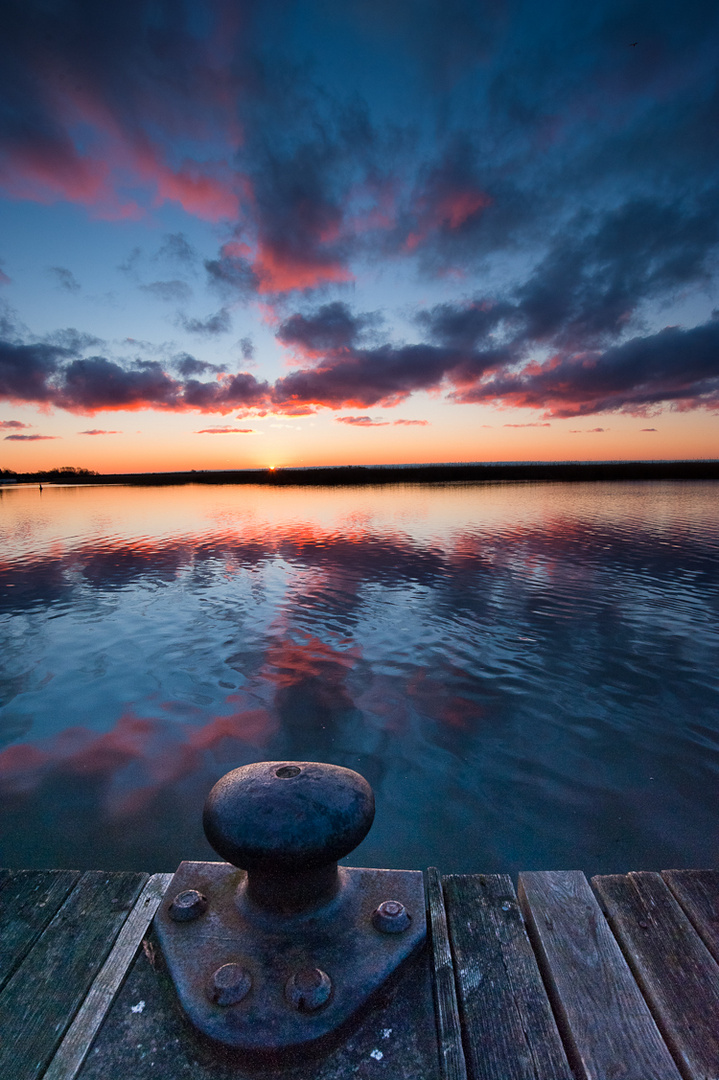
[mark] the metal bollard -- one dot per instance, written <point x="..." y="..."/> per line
<point x="279" y="947"/>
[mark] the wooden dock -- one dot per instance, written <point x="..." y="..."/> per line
<point x="613" y="980"/>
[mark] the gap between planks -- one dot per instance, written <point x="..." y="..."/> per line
<point x="452" y="1063"/>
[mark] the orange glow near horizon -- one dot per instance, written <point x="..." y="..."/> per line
<point x="168" y="442"/>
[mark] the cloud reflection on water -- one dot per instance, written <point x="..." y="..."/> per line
<point x="537" y="691"/>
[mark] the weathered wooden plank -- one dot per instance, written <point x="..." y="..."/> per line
<point x="28" y="901"/>
<point x="145" y="1036"/>
<point x="73" y="1049"/>
<point x="605" y="1023"/>
<point x="42" y="996"/>
<point x="677" y="974"/>
<point x="452" y="1065"/>
<point x="509" y="1029"/>
<point x="698" y="893"/>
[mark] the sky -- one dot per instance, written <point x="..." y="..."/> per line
<point x="301" y="232"/>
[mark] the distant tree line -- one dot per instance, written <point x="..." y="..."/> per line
<point x="67" y="472"/>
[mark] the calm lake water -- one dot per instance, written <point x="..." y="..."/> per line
<point x="528" y="675"/>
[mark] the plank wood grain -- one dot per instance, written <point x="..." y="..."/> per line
<point x="698" y="893"/>
<point x="678" y="975"/>
<point x="28" y="901"/>
<point x="452" y="1065"/>
<point x="73" y="1049"/>
<point x="510" y="1032"/>
<point x="604" y="1020"/>
<point x="41" y="998"/>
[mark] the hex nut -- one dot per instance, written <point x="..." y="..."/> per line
<point x="188" y="905"/>
<point x="391" y="917"/>
<point x="229" y="985"/>
<point x="309" y="989"/>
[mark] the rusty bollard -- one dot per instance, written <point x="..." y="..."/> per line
<point x="279" y="946"/>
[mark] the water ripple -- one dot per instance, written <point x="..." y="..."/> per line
<point x="526" y="674"/>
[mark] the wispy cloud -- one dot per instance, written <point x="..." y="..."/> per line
<point x="65" y="279"/>
<point x="211" y="326"/>
<point x="175" y="292"/>
<point x="362" y="421"/>
<point x="29" y="438"/>
<point x="225" y="431"/>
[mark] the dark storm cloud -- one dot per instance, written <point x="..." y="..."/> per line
<point x="463" y="326"/>
<point x="332" y="326"/>
<point x="231" y="274"/>
<point x="188" y="365"/>
<point x="232" y="392"/>
<point x="348" y="374"/>
<point x="177" y="292"/>
<point x="25" y="370"/>
<point x="589" y="285"/>
<point x="675" y="366"/>
<point x="48" y="374"/>
<point x="594" y="277"/>
<point x="366" y="377"/>
<point x="219" y="323"/>
<point x="98" y="383"/>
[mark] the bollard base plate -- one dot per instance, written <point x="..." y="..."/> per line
<point x="340" y="939"/>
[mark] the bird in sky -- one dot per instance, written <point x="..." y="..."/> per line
<point x="632" y="44"/>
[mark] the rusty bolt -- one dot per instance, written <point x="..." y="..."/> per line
<point x="391" y="917"/>
<point x="307" y="990"/>
<point x="188" y="905"/>
<point x="229" y="984"/>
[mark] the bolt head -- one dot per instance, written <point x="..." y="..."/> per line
<point x="309" y="989"/>
<point x="229" y="984"/>
<point x="391" y="917"/>
<point x="188" y="905"/>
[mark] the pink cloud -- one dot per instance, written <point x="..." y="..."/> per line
<point x="225" y="431"/>
<point x="361" y="421"/>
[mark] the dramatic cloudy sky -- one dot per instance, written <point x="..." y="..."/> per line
<point x="242" y="233"/>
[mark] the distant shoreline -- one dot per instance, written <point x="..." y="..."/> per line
<point x="355" y="475"/>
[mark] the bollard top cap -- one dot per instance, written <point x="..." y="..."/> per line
<point x="288" y="815"/>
